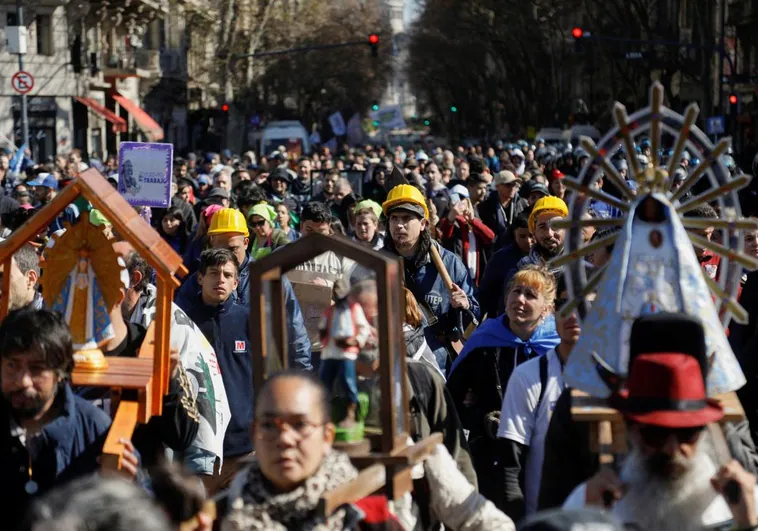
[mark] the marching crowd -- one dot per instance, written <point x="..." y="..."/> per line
<point x="486" y="352"/>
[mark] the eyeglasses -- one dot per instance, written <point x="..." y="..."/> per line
<point x="259" y="224"/>
<point x="270" y="428"/>
<point x="656" y="436"/>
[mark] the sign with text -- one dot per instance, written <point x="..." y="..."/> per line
<point x="144" y="173"/>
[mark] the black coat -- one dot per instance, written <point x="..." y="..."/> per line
<point x="477" y="386"/>
<point x="496" y="217"/>
<point x="66" y="448"/>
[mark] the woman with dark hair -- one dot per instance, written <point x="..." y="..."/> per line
<point x="287" y="222"/>
<point x="173" y="229"/>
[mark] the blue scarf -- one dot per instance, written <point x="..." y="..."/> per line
<point x="495" y="333"/>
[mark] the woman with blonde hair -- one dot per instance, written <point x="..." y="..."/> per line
<point x="479" y="376"/>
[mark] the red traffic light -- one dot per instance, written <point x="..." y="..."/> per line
<point x="225" y="107"/>
<point x="733" y="99"/>
<point x="577" y="33"/>
<point x="373" y="38"/>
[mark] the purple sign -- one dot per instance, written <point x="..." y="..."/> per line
<point x="144" y="173"/>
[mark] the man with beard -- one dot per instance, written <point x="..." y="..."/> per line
<point x="548" y="242"/>
<point x="533" y="390"/>
<point x="48" y="435"/>
<point x="670" y="479"/>
<point x="408" y="223"/>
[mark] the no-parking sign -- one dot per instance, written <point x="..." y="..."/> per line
<point x="22" y="82"/>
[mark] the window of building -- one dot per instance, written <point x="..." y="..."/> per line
<point x="45" y="35"/>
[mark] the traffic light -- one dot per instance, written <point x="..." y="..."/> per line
<point x="427" y="123"/>
<point x="375" y="123"/>
<point x="733" y="99"/>
<point x="373" y="41"/>
<point x="453" y="108"/>
<point x="375" y="106"/>
<point x="578" y="34"/>
<point x="225" y="107"/>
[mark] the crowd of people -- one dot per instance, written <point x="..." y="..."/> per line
<point x="485" y="354"/>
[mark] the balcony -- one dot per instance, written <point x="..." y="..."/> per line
<point x="131" y="62"/>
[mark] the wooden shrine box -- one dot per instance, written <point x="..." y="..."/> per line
<point x="607" y="428"/>
<point x="148" y="373"/>
<point x="269" y="344"/>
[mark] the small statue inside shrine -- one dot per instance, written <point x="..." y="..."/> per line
<point x="82" y="280"/>
<point x="344" y="332"/>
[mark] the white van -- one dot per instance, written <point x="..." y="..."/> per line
<point x="288" y="133"/>
<point x="575" y="133"/>
<point x="551" y="135"/>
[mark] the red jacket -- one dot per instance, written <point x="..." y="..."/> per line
<point x="459" y="243"/>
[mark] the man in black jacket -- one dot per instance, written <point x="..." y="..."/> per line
<point x="503" y="205"/>
<point x="48" y="435"/>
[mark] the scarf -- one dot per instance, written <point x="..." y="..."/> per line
<point x="257" y="508"/>
<point x="495" y="333"/>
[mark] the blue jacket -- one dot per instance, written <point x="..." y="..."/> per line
<point x="69" y="447"/>
<point x="299" y="345"/>
<point x="427" y="286"/>
<point x="492" y="284"/>
<point x="232" y="345"/>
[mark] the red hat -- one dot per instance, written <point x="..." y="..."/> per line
<point x="668" y="390"/>
<point x="557" y="174"/>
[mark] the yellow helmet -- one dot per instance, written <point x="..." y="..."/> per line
<point x="550" y="204"/>
<point x="405" y="193"/>
<point x="228" y="220"/>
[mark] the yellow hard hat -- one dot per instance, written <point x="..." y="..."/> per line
<point x="547" y="204"/>
<point x="228" y="220"/>
<point x="405" y="193"/>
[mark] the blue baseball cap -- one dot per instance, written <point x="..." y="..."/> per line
<point x="203" y="179"/>
<point x="44" y="179"/>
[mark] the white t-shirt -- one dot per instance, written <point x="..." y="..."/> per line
<point x="520" y="423"/>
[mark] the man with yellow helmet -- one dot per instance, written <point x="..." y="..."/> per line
<point x="409" y="236"/>
<point x="548" y="242"/>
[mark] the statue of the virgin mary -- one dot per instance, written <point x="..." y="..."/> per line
<point x="81" y="280"/>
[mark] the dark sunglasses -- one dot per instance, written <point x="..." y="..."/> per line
<point x="656" y="436"/>
<point x="258" y="224"/>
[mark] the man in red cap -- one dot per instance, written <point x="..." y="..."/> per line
<point x="671" y="479"/>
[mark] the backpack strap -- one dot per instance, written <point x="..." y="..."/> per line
<point x="543" y="381"/>
<point x="421" y="383"/>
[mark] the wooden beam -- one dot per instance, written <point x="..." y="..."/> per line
<point x="5" y="300"/>
<point x="162" y="347"/>
<point x="122" y="427"/>
<point x="368" y="482"/>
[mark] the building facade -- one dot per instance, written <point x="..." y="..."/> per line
<point x="105" y="71"/>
